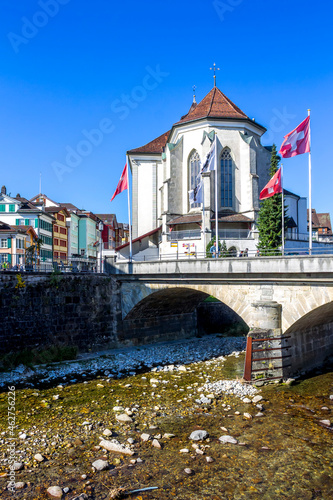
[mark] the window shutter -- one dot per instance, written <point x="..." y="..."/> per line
<point x="9" y="258"/>
<point x="26" y="222"/>
<point x="9" y="243"/>
<point x="36" y="223"/>
<point x="17" y="222"/>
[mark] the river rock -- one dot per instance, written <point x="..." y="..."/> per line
<point x="83" y="496"/>
<point x="184" y="450"/>
<point x="19" y="485"/>
<point x="39" y="457"/>
<point x="247" y="400"/>
<point x="107" y="432"/>
<point x="118" y="408"/>
<point x="248" y="416"/>
<point x="156" y="444"/>
<point x="116" y="447"/>
<point x="209" y="459"/>
<point x="145" y="437"/>
<point x="100" y="465"/>
<point x="55" y="491"/>
<point x="256" y="399"/>
<point x="325" y="422"/>
<point x="199" y="435"/>
<point x="17" y="466"/>
<point x="188" y="471"/>
<point x="168" y="436"/>
<point x="228" y="439"/>
<point x="123" y="417"/>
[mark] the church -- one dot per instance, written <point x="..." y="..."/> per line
<point x="166" y="222"/>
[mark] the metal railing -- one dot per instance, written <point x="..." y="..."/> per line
<point x="224" y="234"/>
<point x="21" y="263"/>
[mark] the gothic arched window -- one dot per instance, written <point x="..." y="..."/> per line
<point x="226" y="179"/>
<point x="194" y="168"/>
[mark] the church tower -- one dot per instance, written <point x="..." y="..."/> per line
<point x="166" y="169"/>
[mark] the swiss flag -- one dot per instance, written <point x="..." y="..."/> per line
<point x="122" y="184"/>
<point x="297" y="142"/>
<point x="273" y="187"/>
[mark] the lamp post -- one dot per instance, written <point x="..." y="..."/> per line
<point x="100" y="227"/>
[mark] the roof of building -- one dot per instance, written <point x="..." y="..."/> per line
<point x="8" y="228"/>
<point x="70" y="207"/>
<point x="185" y="219"/>
<point x="214" y="105"/>
<point x="139" y="238"/>
<point x="233" y="218"/>
<point x="55" y="210"/>
<point x="322" y="220"/>
<point x="289" y="193"/>
<point x="153" y="147"/>
<point x="41" y="195"/>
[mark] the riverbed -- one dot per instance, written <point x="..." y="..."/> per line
<point x="278" y="444"/>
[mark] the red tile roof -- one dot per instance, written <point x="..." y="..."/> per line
<point x="233" y="218"/>
<point x="153" y="147"/>
<point x="185" y="219"/>
<point x="214" y="105"/>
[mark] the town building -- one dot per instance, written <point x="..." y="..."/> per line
<point x="321" y="226"/>
<point x="14" y="241"/>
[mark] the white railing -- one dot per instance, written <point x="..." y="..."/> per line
<point x="189" y="234"/>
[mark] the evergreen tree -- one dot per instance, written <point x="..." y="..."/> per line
<point x="270" y="215"/>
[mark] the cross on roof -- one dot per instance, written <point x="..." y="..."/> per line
<point x="194" y="87"/>
<point x="214" y="68"/>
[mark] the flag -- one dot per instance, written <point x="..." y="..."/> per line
<point x="122" y="184"/>
<point x="273" y="187"/>
<point x="196" y="194"/>
<point x="297" y="142"/>
<point x="209" y="163"/>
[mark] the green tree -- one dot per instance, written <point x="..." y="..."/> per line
<point x="270" y="216"/>
<point x="33" y="251"/>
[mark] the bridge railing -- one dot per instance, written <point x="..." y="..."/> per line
<point x="232" y="254"/>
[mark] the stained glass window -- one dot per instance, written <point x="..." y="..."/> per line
<point x="226" y="179"/>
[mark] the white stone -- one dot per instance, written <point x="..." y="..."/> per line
<point x="325" y="422"/>
<point x="145" y="437"/>
<point x="188" y="471"/>
<point x="23" y="436"/>
<point x="199" y="435"/>
<point x="184" y="450"/>
<point x="19" y="485"/>
<point x="248" y="416"/>
<point x="107" y="432"/>
<point x="17" y="466"/>
<point x="247" y="400"/>
<point x="55" y="491"/>
<point x="256" y="399"/>
<point x="209" y="459"/>
<point x="100" y="465"/>
<point x="156" y="444"/>
<point x="168" y="436"/>
<point x="116" y="447"/>
<point x="123" y="417"/>
<point x="228" y="439"/>
<point x="39" y="457"/>
<point x="118" y="408"/>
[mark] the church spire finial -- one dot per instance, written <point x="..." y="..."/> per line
<point x="194" y="99"/>
<point x="214" y="68"/>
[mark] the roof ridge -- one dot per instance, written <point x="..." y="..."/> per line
<point x="212" y="100"/>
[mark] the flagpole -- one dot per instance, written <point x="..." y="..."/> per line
<point x="203" y="213"/>
<point x="310" y="192"/>
<point x="129" y="212"/>
<point x="216" y="204"/>
<point x="282" y="209"/>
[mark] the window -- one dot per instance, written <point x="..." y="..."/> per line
<point x="12" y="208"/>
<point x="226" y="179"/>
<point x="19" y="243"/>
<point x="63" y="230"/>
<point x="4" y="243"/>
<point x="194" y="167"/>
<point x="63" y="243"/>
<point x="56" y="230"/>
<point x="56" y="255"/>
<point x="56" y="241"/>
<point x="60" y="217"/>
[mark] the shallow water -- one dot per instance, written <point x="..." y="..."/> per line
<point x="286" y="453"/>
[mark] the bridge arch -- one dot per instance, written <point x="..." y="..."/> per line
<point x="178" y="312"/>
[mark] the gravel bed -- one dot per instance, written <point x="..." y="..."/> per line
<point x="117" y="363"/>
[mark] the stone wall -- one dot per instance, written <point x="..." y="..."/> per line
<point x="138" y="331"/>
<point x="216" y="317"/>
<point x="312" y="347"/>
<point x="81" y="311"/>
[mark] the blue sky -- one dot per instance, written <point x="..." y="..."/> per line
<point x="67" y="66"/>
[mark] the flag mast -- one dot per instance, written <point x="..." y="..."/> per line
<point x="216" y="204"/>
<point x="129" y="212"/>
<point x="282" y="209"/>
<point x="310" y="190"/>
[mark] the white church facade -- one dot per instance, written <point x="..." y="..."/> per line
<point x="164" y="221"/>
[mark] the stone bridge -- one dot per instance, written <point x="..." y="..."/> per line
<point x="288" y="301"/>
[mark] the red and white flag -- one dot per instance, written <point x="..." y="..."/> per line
<point x="122" y="184"/>
<point x="273" y="187"/>
<point x="297" y="142"/>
